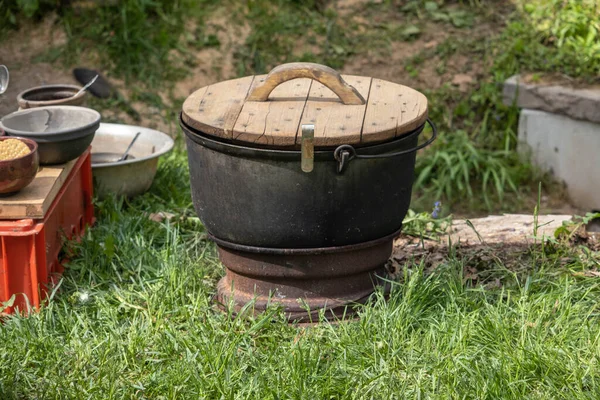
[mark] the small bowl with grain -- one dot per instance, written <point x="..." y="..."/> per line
<point x="19" y="163"/>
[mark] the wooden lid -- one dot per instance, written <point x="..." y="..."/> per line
<point x="269" y="110"/>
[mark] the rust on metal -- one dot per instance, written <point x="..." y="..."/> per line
<point x="303" y="284"/>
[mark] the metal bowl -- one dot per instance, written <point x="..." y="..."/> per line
<point x="19" y="172"/>
<point x="62" y="132"/>
<point x="134" y="175"/>
<point x="50" y="95"/>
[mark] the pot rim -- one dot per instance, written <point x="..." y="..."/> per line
<point x="219" y="144"/>
<point x="306" y="250"/>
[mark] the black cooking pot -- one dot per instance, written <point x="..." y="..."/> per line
<point x="260" y="197"/>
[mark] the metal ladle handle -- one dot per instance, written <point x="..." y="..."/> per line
<point x="83" y="89"/>
<point x="325" y="75"/>
<point x="124" y="156"/>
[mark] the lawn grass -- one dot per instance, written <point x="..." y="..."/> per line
<point x="134" y="317"/>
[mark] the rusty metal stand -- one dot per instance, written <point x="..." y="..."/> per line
<point x="303" y="281"/>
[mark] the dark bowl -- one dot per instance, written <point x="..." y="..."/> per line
<point x="19" y="172"/>
<point x="62" y="132"/>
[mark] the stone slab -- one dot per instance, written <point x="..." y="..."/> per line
<point x="567" y="148"/>
<point x="491" y="241"/>
<point x="503" y="229"/>
<point x="577" y="103"/>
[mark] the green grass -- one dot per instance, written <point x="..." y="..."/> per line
<point x="134" y="315"/>
<point x="134" y="318"/>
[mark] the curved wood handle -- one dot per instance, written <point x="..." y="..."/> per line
<point x="320" y="73"/>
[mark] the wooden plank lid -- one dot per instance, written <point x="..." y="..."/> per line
<point x="269" y="110"/>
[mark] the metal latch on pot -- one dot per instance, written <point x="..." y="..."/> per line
<point x="308" y="147"/>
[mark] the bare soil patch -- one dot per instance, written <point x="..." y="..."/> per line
<point x="462" y="68"/>
<point x="210" y="65"/>
<point x="20" y="49"/>
<point x="488" y="246"/>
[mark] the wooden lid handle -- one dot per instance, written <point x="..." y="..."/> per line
<point x="320" y="73"/>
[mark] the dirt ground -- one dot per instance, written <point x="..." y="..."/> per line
<point x="19" y="55"/>
<point x="490" y="245"/>
<point x="458" y="69"/>
<point x="215" y="64"/>
<point x="18" y="52"/>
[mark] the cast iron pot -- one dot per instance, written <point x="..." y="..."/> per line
<point x="252" y="198"/>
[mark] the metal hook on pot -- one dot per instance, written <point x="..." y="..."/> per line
<point x="345" y="153"/>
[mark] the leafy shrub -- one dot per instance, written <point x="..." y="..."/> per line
<point x="552" y="36"/>
<point x="570" y="25"/>
<point x="11" y="11"/>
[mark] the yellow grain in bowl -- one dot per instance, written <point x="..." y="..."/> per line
<point x="12" y="148"/>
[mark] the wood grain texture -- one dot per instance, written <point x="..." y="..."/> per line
<point x="214" y="109"/>
<point x="34" y="200"/>
<point x="335" y="123"/>
<point x="392" y="110"/>
<point x="325" y="75"/>
<point x="273" y="122"/>
<point x="223" y="110"/>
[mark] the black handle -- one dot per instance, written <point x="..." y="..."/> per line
<point x="345" y="153"/>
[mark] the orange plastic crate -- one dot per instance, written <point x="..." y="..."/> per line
<point x="30" y="249"/>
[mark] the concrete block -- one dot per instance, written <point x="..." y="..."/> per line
<point x="579" y="103"/>
<point x="569" y="149"/>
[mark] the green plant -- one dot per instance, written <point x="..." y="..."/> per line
<point x="459" y="17"/>
<point x="553" y="37"/>
<point x="136" y="40"/>
<point x="571" y="228"/>
<point x="572" y="26"/>
<point x="12" y="11"/>
<point x="426" y="225"/>
<point x="454" y="166"/>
